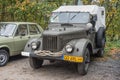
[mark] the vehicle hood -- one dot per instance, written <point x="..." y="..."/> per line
<point x="58" y="30"/>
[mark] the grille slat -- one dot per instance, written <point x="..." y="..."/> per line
<point x="50" y="43"/>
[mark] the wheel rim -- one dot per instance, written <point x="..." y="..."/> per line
<point x="3" y="58"/>
<point x="87" y="60"/>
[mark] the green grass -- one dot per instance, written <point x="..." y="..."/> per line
<point x="112" y="45"/>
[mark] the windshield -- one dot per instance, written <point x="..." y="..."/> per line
<point x="7" y="29"/>
<point x="70" y="17"/>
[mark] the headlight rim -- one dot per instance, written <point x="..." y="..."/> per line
<point x="71" y="48"/>
<point x="37" y="44"/>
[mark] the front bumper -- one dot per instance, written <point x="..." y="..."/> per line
<point x="53" y="56"/>
<point x="44" y="55"/>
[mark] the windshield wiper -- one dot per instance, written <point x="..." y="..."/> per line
<point x="4" y="35"/>
<point x="56" y="16"/>
<point x="74" y="16"/>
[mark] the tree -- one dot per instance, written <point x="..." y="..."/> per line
<point x="39" y="11"/>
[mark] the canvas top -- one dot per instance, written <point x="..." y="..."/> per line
<point x="92" y="9"/>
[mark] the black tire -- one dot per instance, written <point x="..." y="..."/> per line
<point x="83" y="67"/>
<point x="101" y="38"/>
<point x="52" y="61"/>
<point x="100" y="53"/>
<point x="35" y="63"/>
<point x="4" y="57"/>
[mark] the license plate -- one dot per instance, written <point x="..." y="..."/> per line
<point x="25" y="54"/>
<point x="73" y="58"/>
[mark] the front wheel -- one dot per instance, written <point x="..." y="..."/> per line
<point x="35" y="63"/>
<point x="83" y="67"/>
<point x="4" y="57"/>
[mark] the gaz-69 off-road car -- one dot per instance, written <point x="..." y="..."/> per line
<point x="14" y="36"/>
<point x="74" y="34"/>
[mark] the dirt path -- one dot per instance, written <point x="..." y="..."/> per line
<point x="18" y="69"/>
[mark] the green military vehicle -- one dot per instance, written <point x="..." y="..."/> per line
<point x="14" y="36"/>
<point x="74" y="34"/>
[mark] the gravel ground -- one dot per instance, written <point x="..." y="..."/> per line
<point x="18" y="68"/>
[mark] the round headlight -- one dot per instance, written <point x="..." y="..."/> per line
<point x="69" y="48"/>
<point x="35" y="45"/>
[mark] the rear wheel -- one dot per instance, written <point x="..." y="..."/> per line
<point x="101" y="50"/>
<point x="52" y="61"/>
<point x="83" y="67"/>
<point x="101" y="39"/>
<point x="100" y="53"/>
<point x="35" y="63"/>
<point x="4" y="57"/>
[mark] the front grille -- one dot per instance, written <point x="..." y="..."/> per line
<point x="50" y="43"/>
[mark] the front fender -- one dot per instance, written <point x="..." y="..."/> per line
<point x="79" y="47"/>
<point x="28" y="44"/>
<point x="4" y="46"/>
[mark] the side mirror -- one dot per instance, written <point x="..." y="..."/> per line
<point x="95" y="18"/>
<point x="46" y="28"/>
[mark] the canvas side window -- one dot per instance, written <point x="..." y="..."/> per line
<point x="102" y="13"/>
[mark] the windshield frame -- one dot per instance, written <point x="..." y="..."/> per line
<point x="69" y="18"/>
<point x="14" y="29"/>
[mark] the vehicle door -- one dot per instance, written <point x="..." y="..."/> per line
<point x="21" y="37"/>
<point x="34" y="31"/>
